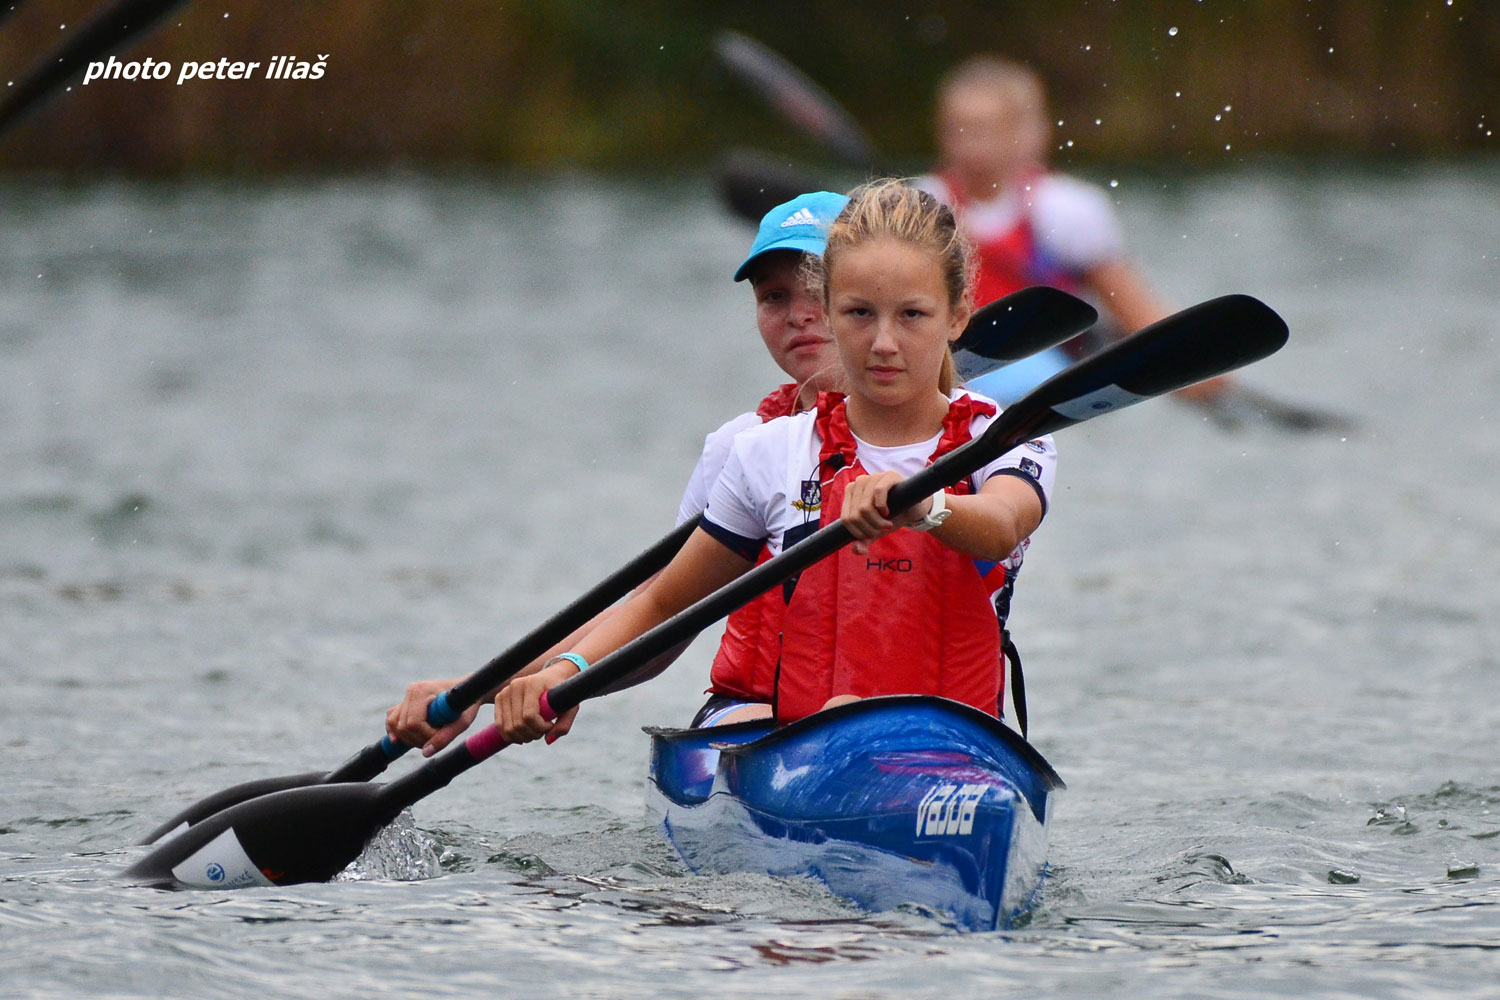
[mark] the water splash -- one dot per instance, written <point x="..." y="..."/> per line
<point x="400" y="853"/>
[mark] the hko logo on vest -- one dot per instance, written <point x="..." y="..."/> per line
<point x="948" y="810"/>
<point x="889" y="565"/>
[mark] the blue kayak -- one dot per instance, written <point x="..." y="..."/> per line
<point x="889" y="801"/>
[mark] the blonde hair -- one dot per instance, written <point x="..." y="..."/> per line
<point x="891" y="207"/>
<point x="1019" y="84"/>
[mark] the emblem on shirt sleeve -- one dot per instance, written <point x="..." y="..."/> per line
<point x="811" y="498"/>
<point x="1037" y="447"/>
<point x="1030" y="468"/>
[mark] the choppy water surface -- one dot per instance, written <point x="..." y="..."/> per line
<point x="267" y="455"/>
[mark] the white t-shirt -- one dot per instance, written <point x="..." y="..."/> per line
<point x="710" y="464"/>
<point x="1073" y="221"/>
<point x="758" y="498"/>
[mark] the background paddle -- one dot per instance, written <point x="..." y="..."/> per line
<point x="752" y="183"/>
<point x="6" y="10"/>
<point x="796" y="97"/>
<point x="105" y="31"/>
<point x="1004" y="331"/>
<point x="311" y="834"/>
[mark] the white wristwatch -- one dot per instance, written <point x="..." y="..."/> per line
<point x="939" y="513"/>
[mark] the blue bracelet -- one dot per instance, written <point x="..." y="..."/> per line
<point x="572" y="658"/>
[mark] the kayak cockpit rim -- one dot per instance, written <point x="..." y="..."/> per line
<point x="726" y="742"/>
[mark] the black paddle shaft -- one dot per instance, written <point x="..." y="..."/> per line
<point x="1198" y="343"/>
<point x="109" y="29"/>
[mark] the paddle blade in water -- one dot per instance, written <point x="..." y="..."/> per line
<point x="301" y="834"/>
<point x="298" y="835"/>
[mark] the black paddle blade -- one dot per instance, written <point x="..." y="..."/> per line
<point x="221" y="800"/>
<point x="300" y="834"/>
<point x="1196" y="344"/>
<point x="752" y="183"/>
<point x="1018" y="326"/>
<point x="369" y="762"/>
<point x="297" y="835"/>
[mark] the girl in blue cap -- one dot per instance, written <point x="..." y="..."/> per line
<point x="895" y="278"/>
<point x="793" y="325"/>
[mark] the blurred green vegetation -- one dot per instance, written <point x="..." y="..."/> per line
<point x="556" y="84"/>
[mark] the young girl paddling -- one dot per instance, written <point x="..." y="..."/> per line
<point x="906" y="608"/>
<point x="790" y="318"/>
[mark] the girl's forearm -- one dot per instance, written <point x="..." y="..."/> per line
<point x="990" y="525"/>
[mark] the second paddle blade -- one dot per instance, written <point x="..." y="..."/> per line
<point x="298" y="835"/>
<point x="1018" y="326"/>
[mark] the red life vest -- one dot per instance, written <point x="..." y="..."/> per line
<point x="745" y="665"/>
<point x="1008" y="261"/>
<point x="911" y="617"/>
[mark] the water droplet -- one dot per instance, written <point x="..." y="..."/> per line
<point x="1114" y="184"/>
<point x="1172" y="32"/>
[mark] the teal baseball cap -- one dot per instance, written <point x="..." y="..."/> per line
<point x="800" y="224"/>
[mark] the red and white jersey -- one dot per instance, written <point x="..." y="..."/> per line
<point x="770" y="490"/>
<point x="1072" y="222"/>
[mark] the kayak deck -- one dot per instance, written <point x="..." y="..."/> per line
<point x="889" y="801"/>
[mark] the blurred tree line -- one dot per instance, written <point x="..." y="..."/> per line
<point x="548" y="84"/>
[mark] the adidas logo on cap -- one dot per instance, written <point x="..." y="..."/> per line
<point x="801" y="217"/>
